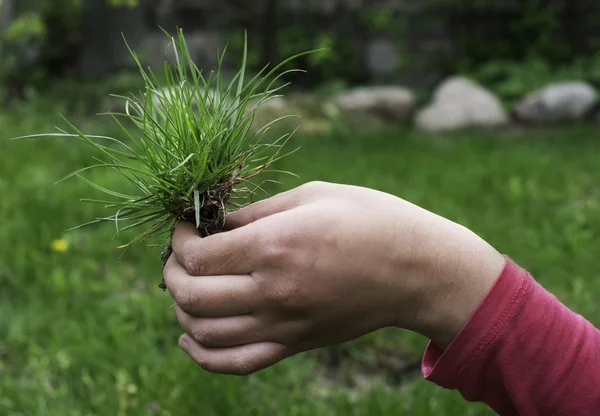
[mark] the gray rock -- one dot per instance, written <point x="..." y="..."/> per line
<point x="560" y="102"/>
<point x="165" y="94"/>
<point x="382" y="58"/>
<point x="274" y="104"/>
<point x="389" y="103"/>
<point x="460" y="103"/>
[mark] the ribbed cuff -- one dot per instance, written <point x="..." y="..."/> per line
<point x="445" y="367"/>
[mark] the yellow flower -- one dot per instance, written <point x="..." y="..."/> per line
<point x="59" y="246"/>
<point x="132" y="388"/>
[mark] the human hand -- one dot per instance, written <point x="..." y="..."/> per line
<point x="320" y="265"/>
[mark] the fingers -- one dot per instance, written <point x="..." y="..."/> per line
<point x="251" y="213"/>
<point x="232" y="252"/>
<point x="219" y="254"/>
<point x="210" y="296"/>
<point x="281" y="202"/>
<point x="222" y="332"/>
<point x="239" y="361"/>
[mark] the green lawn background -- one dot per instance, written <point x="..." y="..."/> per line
<point x="87" y="332"/>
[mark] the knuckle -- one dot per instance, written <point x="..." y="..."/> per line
<point x="203" y="336"/>
<point x="184" y="297"/>
<point x="167" y="275"/>
<point x="253" y="211"/>
<point x="204" y="363"/>
<point x="314" y="186"/>
<point x="192" y="260"/>
<point x="242" y="367"/>
<point x="274" y="252"/>
<point x="188" y="257"/>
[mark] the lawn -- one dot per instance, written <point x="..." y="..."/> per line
<point x="86" y="331"/>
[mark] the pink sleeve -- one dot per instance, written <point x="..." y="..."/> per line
<point x="522" y="352"/>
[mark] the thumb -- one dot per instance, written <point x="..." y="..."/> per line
<point x="284" y="201"/>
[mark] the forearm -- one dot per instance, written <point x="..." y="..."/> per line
<point x="305" y="270"/>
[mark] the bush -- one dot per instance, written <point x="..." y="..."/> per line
<point x="511" y="80"/>
<point x="42" y="43"/>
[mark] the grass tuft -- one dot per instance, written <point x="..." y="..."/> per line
<point x="191" y="150"/>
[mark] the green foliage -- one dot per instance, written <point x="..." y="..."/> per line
<point x="26" y="31"/>
<point x="41" y="41"/>
<point x="379" y="18"/>
<point x="39" y="19"/>
<point x="516" y="48"/>
<point x="340" y="41"/>
<point x="330" y="62"/>
<point x="526" y="33"/>
<point x="26" y="28"/>
<point x="527" y="30"/>
<point x="512" y="80"/>
<point x="123" y="3"/>
<point x="92" y="94"/>
<point x="109" y="345"/>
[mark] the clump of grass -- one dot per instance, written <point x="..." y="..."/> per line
<point x="189" y="147"/>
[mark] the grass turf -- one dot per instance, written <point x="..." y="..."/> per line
<point x="85" y="332"/>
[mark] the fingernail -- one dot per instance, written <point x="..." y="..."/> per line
<point x="183" y="342"/>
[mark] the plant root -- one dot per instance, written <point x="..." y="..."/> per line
<point x="212" y="218"/>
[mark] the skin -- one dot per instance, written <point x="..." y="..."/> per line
<point x="321" y="265"/>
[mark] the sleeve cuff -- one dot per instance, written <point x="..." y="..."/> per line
<point x="482" y="330"/>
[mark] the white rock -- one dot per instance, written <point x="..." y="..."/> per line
<point x="459" y="103"/>
<point x="275" y="104"/>
<point x="560" y="102"/>
<point x="163" y="95"/>
<point x="392" y="102"/>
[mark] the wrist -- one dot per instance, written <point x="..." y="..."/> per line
<point x="458" y="269"/>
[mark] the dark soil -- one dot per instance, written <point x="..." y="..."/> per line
<point x="212" y="220"/>
<point x="391" y="363"/>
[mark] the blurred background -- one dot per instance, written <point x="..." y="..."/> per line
<point x="483" y="111"/>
